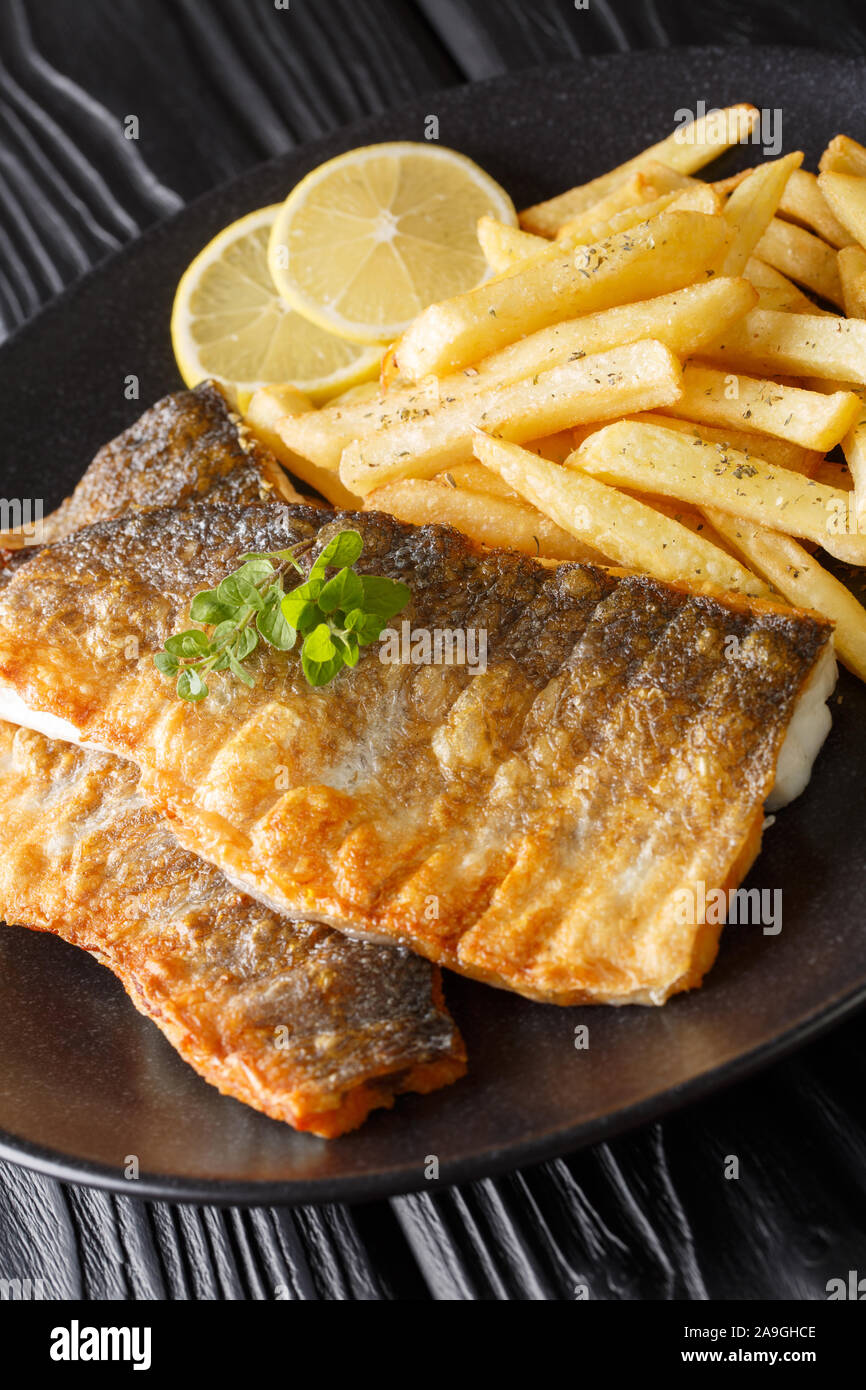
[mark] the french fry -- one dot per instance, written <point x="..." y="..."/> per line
<point x="650" y="458"/>
<point x="672" y="251"/>
<point x="846" y="194"/>
<point x="803" y="202"/>
<point x="635" y="377"/>
<point x="779" y="453"/>
<point x="853" y="447"/>
<point x="507" y="522"/>
<point x="505" y="247"/>
<point x="834" y="475"/>
<point x="684" y="321"/>
<point x="472" y="476"/>
<point x="766" y="278"/>
<point x="555" y="447"/>
<point x="266" y="412"/>
<point x="628" y="194"/>
<point x="843" y="156"/>
<point x="810" y="418"/>
<point x="752" y="206"/>
<point x="664" y="179"/>
<point x="701" y="197"/>
<point x="632" y="533"/>
<point x="769" y="342"/>
<point x="852" y="273"/>
<point x="802" y="256"/>
<point x="685" y="150"/>
<point x="802" y="580"/>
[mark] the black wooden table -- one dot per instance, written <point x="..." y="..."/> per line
<point x="218" y="85"/>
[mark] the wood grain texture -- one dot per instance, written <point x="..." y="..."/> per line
<point x="217" y="86"/>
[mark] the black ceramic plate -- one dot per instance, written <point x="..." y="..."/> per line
<point x="84" y="1080"/>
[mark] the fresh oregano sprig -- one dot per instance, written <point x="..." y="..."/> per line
<point x="334" y="616"/>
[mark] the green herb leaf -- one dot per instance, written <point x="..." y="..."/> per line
<point x="300" y="608"/>
<point x="192" y="643"/>
<point x="166" y="664"/>
<point x="344" y="591"/>
<point x="387" y="597"/>
<point x="237" y="670"/>
<point x="347" y="645"/>
<point x="222" y="634"/>
<point x="342" y="549"/>
<point x="367" y="627"/>
<point x="319" y="644"/>
<point x="190" y="686"/>
<point x="207" y="608"/>
<point x="238" y="592"/>
<point x="246" y="643"/>
<point x="320" y="672"/>
<point x="274" y="628"/>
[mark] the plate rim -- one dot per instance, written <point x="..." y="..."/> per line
<point x="558" y="1143"/>
<point x="54" y="1163"/>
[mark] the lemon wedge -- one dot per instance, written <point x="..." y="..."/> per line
<point x="229" y="322"/>
<point x="369" y="239"/>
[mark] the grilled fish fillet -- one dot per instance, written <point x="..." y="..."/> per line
<point x="85" y="858"/>
<point x="188" y="447"/>
<point x="532" y="826"/>
<point x="293" y="1018"/>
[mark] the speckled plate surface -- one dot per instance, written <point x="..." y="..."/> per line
<point x="85" y="1080"/>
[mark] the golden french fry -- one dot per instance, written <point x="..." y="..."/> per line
<point x="650" y="458"/>
<point x="834" y="474"/>
<point x="802" y="580"/>
<point x="843" y="156"/>
<point x="779" y="453"/>
<point x="635" y="377"/>
<point x="555" y="447"/>
<point x="388" y="373"/>
<point x="685" y="150"/>
<point x="802" y="256"/>
<point x="852" y="272"/>
<point x="853" y="447"/>
<point x="506" y="522"/>
<point x="355" y="395"/>
<point x="770" y="342"/>
<point x="505" y="247"/>
<point x="267" y="411"/>
<point x="684" y="321"/>
<point x="630" y="532"/>
<point x="752" y="206"/>
<point x="664" y="179"/>
<point x="672" y="251"/>
<point x="846" y="194"/>
<point x="701" y="197"/>
<point x="767" y="280"/>
<point x="628" y="194"/>
<point x="472" y="476"/>
<point x="810" y="418"/>
<point x="803" y="202"/>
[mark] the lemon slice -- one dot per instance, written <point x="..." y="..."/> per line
<point x="368" y="240"/>
<point x="229" y="322"/>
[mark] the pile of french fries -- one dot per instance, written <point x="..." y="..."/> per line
<point x="647" y="380"/>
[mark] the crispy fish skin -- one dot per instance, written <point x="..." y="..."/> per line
<point x="530" y="826"/>
<point x="292" y="1018"/>
<point x="188" y="447"/>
